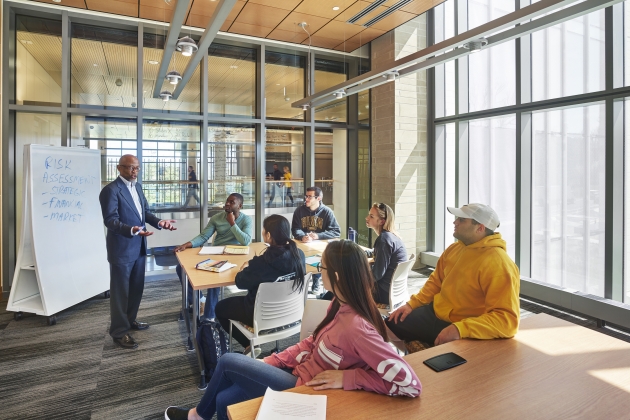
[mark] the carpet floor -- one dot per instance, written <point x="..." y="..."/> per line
<point x="73" y="370"/>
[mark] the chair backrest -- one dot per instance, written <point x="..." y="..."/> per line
<point x="307" y="285"/>
<point x="398" y="294"/>
<point x="277" y="305"/>
<point x="314" y="312"/>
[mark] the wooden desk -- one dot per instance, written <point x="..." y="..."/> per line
<point x="552" y="369"/>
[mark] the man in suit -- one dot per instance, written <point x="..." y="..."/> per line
<point x="125" y="213"/>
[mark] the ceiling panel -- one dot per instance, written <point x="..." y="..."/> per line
<point x="339" y="30"/>
<point x="290" y="22"/>
<point x="70" y="3"/>
<point x="204" y="7"/>
<point x="259" y="15"/>
<point x="159" y="10"/>
<point x="393" y="21"/>
<point x="356" y="8"/>
<point x="322" y="42"/>
<point x="121" y="59"/>
<point x="88" y="57"/>
<point x="252" y="30"/>
<point x="281" y="4"/>
<point x="288" y="36"/>
<point x="323" y="8"/>
<point x="418" y="7"/>
<point x="351" y="44"/>
<point x="119" y="7"/>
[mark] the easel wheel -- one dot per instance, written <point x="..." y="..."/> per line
<point x="18" y="315"/>
<point x="52" y="320"/>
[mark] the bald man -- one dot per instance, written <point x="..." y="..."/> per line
<point x="125" y="214"/>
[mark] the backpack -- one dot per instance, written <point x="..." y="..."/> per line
<point x="212" y="342"/>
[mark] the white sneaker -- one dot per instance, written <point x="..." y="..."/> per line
<point x="247" y="352"/>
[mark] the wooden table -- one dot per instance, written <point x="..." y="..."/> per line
<point x="200" y="280"/>
<point x="552" y="369"/>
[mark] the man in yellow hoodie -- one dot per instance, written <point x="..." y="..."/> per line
<point x="473" y="291"/>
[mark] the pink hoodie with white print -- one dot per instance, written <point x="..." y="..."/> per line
<point x="351" y="344"/>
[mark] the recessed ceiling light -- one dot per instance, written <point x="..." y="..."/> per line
<point x="277" y="84"/>
<point x="57" y="1"/>
<point x="233" y="67"/>
<point x="95" y="65"/>
<point x="152" y="62"/>
<point x="336" y="8"/>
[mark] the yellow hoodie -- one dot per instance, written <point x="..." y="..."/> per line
<point x="475" y="287"/>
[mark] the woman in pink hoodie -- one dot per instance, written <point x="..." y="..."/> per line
<point x="347" y="350"/>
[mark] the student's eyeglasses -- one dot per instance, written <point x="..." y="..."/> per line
<point x="320" y="267"/>
<point x="307" y="197"/>
<point x="131" y="168"/>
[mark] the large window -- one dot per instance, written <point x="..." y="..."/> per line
<point x="231" y="81"/>
<point x="284" y="84"/>
<point x="284" y="153"/>
<point x="329" y="73"/>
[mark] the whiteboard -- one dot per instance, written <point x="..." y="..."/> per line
<point x="66" y="226"/>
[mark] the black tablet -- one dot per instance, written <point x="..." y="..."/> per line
<point x="444" y="361"/>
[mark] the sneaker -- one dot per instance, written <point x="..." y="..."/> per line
<point x="176" y="413"/>
<point x="247" y="352"/>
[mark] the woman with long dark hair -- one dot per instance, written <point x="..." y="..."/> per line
<point x="347" y="349"/>
<point x="281" y="258"/>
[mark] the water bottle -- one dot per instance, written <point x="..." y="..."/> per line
<point x="352" y="235"/>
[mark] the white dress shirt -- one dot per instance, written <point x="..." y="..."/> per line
<point x="131" y="186"/>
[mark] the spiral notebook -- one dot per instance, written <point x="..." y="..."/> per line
<point x="214" y="265"/>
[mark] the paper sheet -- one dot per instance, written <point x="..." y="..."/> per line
<point x="313" y="260"/>
<point x="289" y="406"/>
<point x="211" y="250"/>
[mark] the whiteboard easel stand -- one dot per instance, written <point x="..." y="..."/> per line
<point x="27" y="290"/>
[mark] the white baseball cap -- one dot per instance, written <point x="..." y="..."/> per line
<point x="478" y="212"/>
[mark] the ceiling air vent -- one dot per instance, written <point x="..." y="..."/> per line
<point x="389" y="11"/>
<point x="363" y="13"/>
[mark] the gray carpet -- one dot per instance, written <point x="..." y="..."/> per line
<point x="73" y="370"/>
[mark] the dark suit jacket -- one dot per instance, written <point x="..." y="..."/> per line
<point x="120" y="215"/>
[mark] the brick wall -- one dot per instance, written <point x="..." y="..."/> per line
<point x="399" y="135"/>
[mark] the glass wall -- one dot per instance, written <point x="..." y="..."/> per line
<point x="331" y="151"/>
<point x="285" y="150"/>
<point x="329" y="73"/>
<point x="284" y="84"/>
<point x="104" y="67"/>
<point x="365" y="187"/>
<point x="450" y="197"/>
<point x="231" y="81"/>
<point x="38" y="61"/>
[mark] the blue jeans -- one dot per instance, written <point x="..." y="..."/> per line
<point x="212" y="296"/>
<point x="239" y="378"/>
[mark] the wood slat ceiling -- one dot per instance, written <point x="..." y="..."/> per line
<point x="274" y="19"/>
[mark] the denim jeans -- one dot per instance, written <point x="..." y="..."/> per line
<point x="212" y="296"/>
<point x="239" y="378"/>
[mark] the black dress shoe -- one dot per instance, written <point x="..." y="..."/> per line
<point x="137" y="325"/>
<point x="126" y="342"/>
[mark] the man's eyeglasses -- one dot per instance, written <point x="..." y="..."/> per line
<point x="131" y="168"/>
<point x="320" y="267"/>
<point x="307" y="197"/>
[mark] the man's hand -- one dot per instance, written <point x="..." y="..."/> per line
<point x="400" y="314"/>
<point x="230" y="218"/>
<point x="448" y="334"/>
<point x="138" y="230"/>
<point x="183" y="247"/>
<point x="306" y="238"/>
<point x="167" y="224"/>
<point x="328" y="379"/>
<point x="314" y="236"/>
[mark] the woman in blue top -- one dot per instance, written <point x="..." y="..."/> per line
<point x="389" y="250"/>
<point x="282" y="258"/>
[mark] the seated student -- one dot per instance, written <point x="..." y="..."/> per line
<point x="314" y="221"/>
<point x="473" y="291"/>
<point x="232" y="228"/>
<point x="389" y="250"/>
<point x="281" y="258"/>
<point x="348" y="349"/>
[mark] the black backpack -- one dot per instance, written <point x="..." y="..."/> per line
<point x="212" y="343"/>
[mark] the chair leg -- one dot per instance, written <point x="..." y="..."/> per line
<point x="251" y="349"/>
<point x="230" y="340"/>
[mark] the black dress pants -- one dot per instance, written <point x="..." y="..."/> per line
<point x="236" y="309"/>
<point x="421" y="324"/>
<point x="126" y="284"/>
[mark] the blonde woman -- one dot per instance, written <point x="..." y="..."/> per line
<point x="287" y="183"/>
<point x="389" y="250"/>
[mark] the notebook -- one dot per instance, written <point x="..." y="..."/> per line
<point x="227" y="249"/>
<point x="214" y="266"/>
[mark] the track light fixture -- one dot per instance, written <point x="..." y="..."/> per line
<point x="173" y="77"/>
<point x="166" y="95"/>
<point x="340" y="94"/>
<point x="305" y="107"/>
<point x="476" y="45"/>
<point x="186" y="46"/>
<point x="392" y="75"/>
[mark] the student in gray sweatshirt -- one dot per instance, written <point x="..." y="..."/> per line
<point x="314" y="221"/>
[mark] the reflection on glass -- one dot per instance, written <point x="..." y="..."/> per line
<point x="568" y="59"/>
<point x="492" y="173"/>
<point x="364" y="194"/>
<point x="231" y="166"/>
<point x="231" y="80"/>
<point x="284" y="186"/>
<point x="364" y="107"/>
<point x="104" y="70"/>
<point x="189" y="99"/>
<point x="31" y="129"/>
<point x="331" y="167"/>
<point x="284" y="84"/>
<point x="626" y="206"/>
<point x="568" y="198"/>
<point x="37" y="61"/>
<point x="449" y="182"/>
<point x="329" y="73"/>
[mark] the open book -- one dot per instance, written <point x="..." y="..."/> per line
<point x="227" y="249"/>
<point x="290" y="405"/>
<point x="214" y="266"/>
